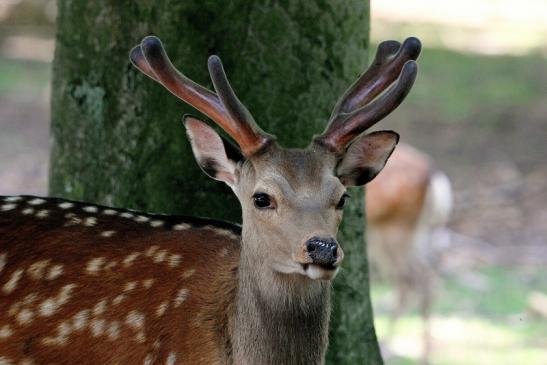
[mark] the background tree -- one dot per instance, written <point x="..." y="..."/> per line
<point x="117" y="138"/>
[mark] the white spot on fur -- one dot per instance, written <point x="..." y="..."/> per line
<point x="73" y="219"/>
<point x="97" y="327"/>
<point x="65" y="205"/>
<point x="141" y="219"/>
<point x="42" y="213"/>
<point x="90" y="221"/>
<point x="108" y="233"/>
<point x="63" y="330"/>
<point x="79" y="321"/>
<point x="5" y="332"/>
<point x="36" y="201"/>
<point x="90" y="209"/>
<point x="160" y="311"/>
<point x="27" y="362"/>
<point x="55" y="272"/>
<point x="27" y="211"/>
<point x="7" y="207"/>
<point x="182" y="295"/>
<point x="118" y="299"/>
<point x="25" y="316"/>
<point x="110" y="212"/>
<point x="2" y="261"/>
<point x="51" y="305"/>
<point x="94" y="265"/>
<point x="135" y="319"/>
<point x="130" y="286"/>
<point x="29" y="299"/>
<point x="174" y="260"/>
<point x="112" y="264"/>
<point x="148" y="283"/>
<point x="99" y="308"/>
<point x="147" y="360"/>
<point x="36" y="270"/>
<point x="127" y="215"/>
<point x="160" y="256"/>
<point x="48" y="307"/>
<point x="171" y="358"/>
<point x="181" y="226"/>
<point x="151" y="251"/>
<point x="156" y="223"/>
<point x="11" y="285"/>
<point x="11" y="199"/>
<point x="113" y="330"/>
<point x="187" y="273"/>
<point x="226" y="233"/>
<point x="128" y="261"/>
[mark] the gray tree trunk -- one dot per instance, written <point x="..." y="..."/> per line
<point x="117" y="136"/>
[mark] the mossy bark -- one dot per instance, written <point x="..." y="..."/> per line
<point x="117" y="136"/>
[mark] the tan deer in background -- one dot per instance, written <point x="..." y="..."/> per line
<point x="407" y="208"/>
<point x="86" y="284"/>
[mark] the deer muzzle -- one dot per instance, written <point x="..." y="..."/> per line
<point x="323" y="252"/>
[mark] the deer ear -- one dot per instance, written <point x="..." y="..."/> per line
<point x="366" y="157"/>
<point x="217" y="157"/>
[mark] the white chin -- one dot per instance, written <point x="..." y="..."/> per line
<point x="316" y="272"/>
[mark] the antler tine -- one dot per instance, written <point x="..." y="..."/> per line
<point x="386" y="67"/>
<point x="137" y="59"/>
<point x="356" y="111"/>
<point x="242" y="126"/>
<point x="227" y="111"/>
<point x="165" y="73"/>
<point x="346" y="127"/>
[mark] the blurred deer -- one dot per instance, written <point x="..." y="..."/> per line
<point x="407" y="206"/>
<point x="87" y="284"/>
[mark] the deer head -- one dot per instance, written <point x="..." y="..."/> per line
<point x="292" y="199"/>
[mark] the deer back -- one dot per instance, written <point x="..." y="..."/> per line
<point x="149" y="288"/>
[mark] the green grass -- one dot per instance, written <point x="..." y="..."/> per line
<point x="23" y="77"/>
<point x="478" y="319"/>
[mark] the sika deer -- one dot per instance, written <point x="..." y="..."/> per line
<point x="407" y="206"/>
<point x="86" y="284"/>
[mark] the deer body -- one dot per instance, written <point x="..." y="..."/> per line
<point x="406" y="206"/>
<point x="90" y="285"/>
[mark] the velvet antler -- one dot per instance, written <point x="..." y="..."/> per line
<point x="223" y="107"/>
<point x="359" y="109"/>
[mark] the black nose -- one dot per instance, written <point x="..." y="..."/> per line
<point x="323" y="251"/>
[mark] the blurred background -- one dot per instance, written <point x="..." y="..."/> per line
<point x="478" y="109"/>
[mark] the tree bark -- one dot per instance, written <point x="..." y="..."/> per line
<point x="117" y="137"/>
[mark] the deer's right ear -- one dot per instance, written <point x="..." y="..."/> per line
<point x="216" y="157"/>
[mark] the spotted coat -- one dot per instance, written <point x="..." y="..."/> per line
<point x="86" y="284"/>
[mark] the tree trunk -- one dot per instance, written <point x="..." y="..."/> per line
<point x="117" y="136"/>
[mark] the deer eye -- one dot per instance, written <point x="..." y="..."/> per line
<point x="263" y="201"/>
<point x="342" y="201"/>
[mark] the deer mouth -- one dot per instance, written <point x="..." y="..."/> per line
<point x="320" y="272"/>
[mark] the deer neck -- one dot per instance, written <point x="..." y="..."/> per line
<point x="278" y="319"/>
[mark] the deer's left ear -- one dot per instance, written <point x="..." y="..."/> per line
<point x="366" y="157"/>
<point x="217" y="157"/>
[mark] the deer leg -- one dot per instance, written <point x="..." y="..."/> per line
<point x="425" y="310"/>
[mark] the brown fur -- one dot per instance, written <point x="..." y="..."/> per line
<point x="207" y="269"/>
